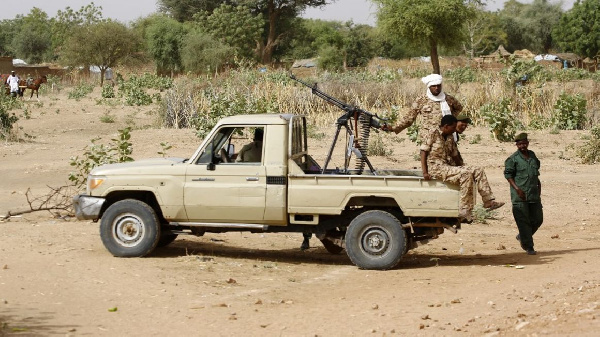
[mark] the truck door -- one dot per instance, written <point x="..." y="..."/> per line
<point x="229" y="181"/>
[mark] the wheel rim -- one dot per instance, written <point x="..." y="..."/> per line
<point x="129" y="229"/>
<point x="375" y="241"/>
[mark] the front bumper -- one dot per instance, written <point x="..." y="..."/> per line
<point x="86" y="207"/>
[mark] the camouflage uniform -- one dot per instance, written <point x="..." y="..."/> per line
<point x="464" y="176"/>
<point x="430" y="112"/>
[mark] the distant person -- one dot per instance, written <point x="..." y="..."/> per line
<point x="522" y="170"/>
<point x="435" y="165"/>
<point x="252" y="153"/>
<point x="431" y="107"/>
<point x="13" y="84"/>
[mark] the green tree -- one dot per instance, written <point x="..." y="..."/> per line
<point x="513" y="26"/>
<point x="358" y="45"/>
<point x="540" y="17"/>
<point x="163" y="40"/>
<point x="423" y="22"/>
<point x="237" y="27"/>
<point x="201" y="52"/>
<point x="184" y="10"/>
<point x="8" y="29"/>
<point x="578" y="30"/>
<point x="66" y="20"/>
<point x="105" y="45"/>
<point x="33" y="40"/>
<point x="484" y="33"/>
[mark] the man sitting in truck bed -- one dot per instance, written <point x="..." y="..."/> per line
<point x="435" y="164"/>
<point x="252" y="153"/>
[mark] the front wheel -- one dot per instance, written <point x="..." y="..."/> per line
<point x="130" y="228"/>
<point x="375" y="240"/>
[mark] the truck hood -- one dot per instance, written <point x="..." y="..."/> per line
<point x="144" y="166"/>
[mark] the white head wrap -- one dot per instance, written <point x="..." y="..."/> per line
<point x="432" y="79"/>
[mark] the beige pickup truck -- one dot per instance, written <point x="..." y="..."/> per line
<point x="376" y="216"/>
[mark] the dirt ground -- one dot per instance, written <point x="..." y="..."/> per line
<point x="56" y="278"/>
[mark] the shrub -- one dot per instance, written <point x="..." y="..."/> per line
<point x="7" y="121"/>
<point x="502" y="122"/>
<point x="461" y="75"/>
<point x="108" y="91"/>
<point x="118" y="151"/>
<point x="81" y="91"/>
<point x="569" y="112"/>
<point x="589" y="153"/>
<point x="377" y="147"/>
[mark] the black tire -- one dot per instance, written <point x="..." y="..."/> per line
<point x="375" y="240"/>
<point x="331" y="247"/>
<point x="130" y="228"/>
<point x="166" y="239"/>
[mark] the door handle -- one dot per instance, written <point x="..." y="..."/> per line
<point x="203" y="179"/>
<point x="251" y="178"/>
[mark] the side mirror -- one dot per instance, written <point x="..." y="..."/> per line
<point x="230" y="150"/>
<point x="211" y="166"/>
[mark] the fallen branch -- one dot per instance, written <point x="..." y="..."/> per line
<point x="58" y="199"/>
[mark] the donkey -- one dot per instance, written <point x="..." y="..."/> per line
<point x="33" y="85"/>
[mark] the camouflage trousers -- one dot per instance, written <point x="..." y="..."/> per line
<point x="465" y="177"/>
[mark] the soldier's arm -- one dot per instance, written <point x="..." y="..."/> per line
<point x="408" y="119"/>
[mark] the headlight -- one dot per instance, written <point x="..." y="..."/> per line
<point x="94" y="182"/>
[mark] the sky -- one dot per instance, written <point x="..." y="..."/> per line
<point x="359" y="11"/>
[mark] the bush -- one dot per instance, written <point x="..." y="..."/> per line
<point x="331" y="58"/>
<point x="7" y="121"/>
<point x="569" y="112"/>
<point x="502" y="122"/>
<point x="81" y="91"/>
<point x="108" y="91"/>
<point x="589" y="153"/>
<point x="118" y="151"/>
<point x="461" y="75"/>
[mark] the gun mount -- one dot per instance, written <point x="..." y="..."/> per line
<point x="358" y="137"/>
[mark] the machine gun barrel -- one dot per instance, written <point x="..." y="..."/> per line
<point x="374" y="121"/>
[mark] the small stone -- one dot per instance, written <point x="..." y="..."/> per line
<point x="421" y="326"/>
<point x="231" y="281"/>
<point x="375" y="307"/>
<point x="555" y="236"/>
<point x="501" y="247"/>
<point x="232" y="318"/>
<point x="5" y="266"/>
<point x="424" y="317"/>
<point x="521" y="325"/>
<point x="455" y="301"/>
<point x="259" y="301"/>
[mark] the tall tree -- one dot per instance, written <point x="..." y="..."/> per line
<point x="33" y="40"/>
<point x="540" y="17"/>
<point x="105" y="45"/>
<point x="233" y="26"/>
<point x="164" y="38"/>
<point x="435" y="24"/>
<point x="484" y="33"/>
<point x="578" y="30"/>
<point x="184" y="10"/>
<point x="66" y="20"/>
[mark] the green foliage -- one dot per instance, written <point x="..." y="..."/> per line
<point x="501" y="121"/>
<point x="236" y="27"/>
<point x="461" y="75"/>
<point x="165" y="147"/>
<point x="108" y="91"/>
<point x="32" y="40"/>
<point x="377" y="147"/>
<point x="133" y="91"/>
<point x="413" y="133"/>
<point x="7" y="120"/>
<point x="117" y="151"/>
<point x="107" y="118"/>
<point x="201" y="53"/>
<point x="577" y="30"/>
<point x="331" y="58"/>
<point x="222" y="104"/>
<point x="80" y="91"/>
<point x="164" y="39"/>
<point x="589" y="153"/>
<point x="481" y="214"/>
<point x="569" y="112"/>
<point x="66" y="20"/>
<point x="105" y="45"/>
<point x="519" y="68"/>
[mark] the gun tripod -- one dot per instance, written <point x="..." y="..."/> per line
<point x="360" y="152"/>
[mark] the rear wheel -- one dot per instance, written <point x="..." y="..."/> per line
<point x="375" y="240"/>
<point x="130" y="228"/>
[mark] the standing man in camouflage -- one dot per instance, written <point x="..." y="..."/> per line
<point x="522" y="170"/>
<point x="431" y="107"/>
<point x="435" y="164"/>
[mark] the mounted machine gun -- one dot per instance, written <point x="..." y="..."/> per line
<point x="363" y="122"/>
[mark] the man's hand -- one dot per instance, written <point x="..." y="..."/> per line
<point x="426" y="176"/>
<point x="386" y="128"/>
<point x="521" y="194"/>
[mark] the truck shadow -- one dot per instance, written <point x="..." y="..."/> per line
<point x="318" y="255"/>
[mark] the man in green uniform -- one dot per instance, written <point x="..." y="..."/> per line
<point x="521" y="170"/>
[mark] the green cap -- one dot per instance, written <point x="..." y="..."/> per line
<point x="463" y="118"/>
<point x="521" y="136"/>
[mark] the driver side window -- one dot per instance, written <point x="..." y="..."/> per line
<point x="234" y="145"/>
